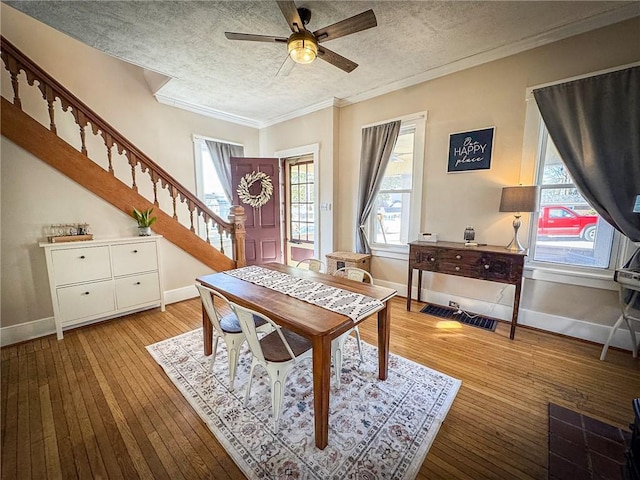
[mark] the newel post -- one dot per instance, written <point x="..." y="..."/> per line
<point x="238" y="218"/>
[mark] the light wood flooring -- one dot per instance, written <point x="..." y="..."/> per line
<point x="96" y="405"/>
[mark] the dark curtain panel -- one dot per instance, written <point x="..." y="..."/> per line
<point x="595" y="124"/>
<point x="221" y="154"/>
<point x="377" y="145"/>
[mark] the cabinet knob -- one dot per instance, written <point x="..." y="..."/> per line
<point x="486" y="267"/>
<point x="458" y="257"/>
<point x="137" y="283"/>
<point x="457" y="269"/>
<point x="82" y="257"/>
<point x="432" y="259"/>
<point x="86" y="293"/>
<point x="135" y="251"/>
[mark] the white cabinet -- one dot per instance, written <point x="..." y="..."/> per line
<point x="100" y="279"/>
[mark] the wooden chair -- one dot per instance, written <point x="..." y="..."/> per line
<point x="278" y="352"/>
<point x="337" y="345"/>
<point x="226" y="327"/>
<point x="313" y="264"/>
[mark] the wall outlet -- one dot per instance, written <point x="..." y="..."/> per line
<point x="453" y="304"/>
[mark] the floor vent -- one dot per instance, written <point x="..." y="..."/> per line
<point x="473" y="320"/>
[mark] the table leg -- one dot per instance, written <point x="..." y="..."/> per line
<point x="207" y="333"/>
<point x="516" y="308"/>
<point x="384" y="331"/>
<point x="321" y="388"/>
<point x="419" y="284"/>
<point x="409" y="282"/>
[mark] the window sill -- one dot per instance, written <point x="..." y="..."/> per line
<point x="603" y="281"/>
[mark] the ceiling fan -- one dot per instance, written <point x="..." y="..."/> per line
<point x="303" y="46"/>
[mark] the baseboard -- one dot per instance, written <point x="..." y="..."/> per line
<point x="46" y="326"/>
<point x="570" y="327"/>
<point x="27" y="331"/>
<point x="180" y="294"/>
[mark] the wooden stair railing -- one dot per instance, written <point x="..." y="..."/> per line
<point x="84" y="171"/>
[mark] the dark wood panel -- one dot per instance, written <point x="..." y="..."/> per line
<point x="99" y="389"/>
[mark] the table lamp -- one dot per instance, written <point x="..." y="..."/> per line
<point x="519" y="199"/>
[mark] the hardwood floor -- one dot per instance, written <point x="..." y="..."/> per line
<point x="96" y="405"/>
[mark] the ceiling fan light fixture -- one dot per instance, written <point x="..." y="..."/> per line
<point x="302" y="47"/>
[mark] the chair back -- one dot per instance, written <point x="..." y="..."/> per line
<point x="207" y="297"/>
<point x="355" y="274"/>
<point x="312" y="264"/>
<point x="248" y="325"/>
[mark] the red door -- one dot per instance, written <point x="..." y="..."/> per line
<point x="250" y="178"/>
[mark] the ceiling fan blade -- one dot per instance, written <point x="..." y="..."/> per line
<point x="254" y="38"/>
<point x="335" y="59"/>
<point x="290" y="12"/>
<point x="286" y="67"/>
<point x="350" y="25"/>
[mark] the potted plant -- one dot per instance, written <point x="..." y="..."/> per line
<point x="145" y="220"/>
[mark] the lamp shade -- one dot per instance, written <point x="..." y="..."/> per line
<point x="520" y="199"/>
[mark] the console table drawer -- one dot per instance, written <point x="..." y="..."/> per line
<point x="500" y="268"/>
<point x="462" y="269"/>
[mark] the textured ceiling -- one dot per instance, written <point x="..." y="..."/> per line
<point x="413" y="41"/>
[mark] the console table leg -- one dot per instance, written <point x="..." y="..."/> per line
<point x="409" y="282"/>
<point x="516" y="309"/>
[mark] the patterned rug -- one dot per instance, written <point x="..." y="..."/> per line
<point x="377" y="429"/>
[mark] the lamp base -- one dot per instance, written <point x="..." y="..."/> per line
<point x="515" y="245"/>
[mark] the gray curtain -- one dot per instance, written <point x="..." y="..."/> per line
<point x="377" y="145"/>
<point x="595" y="124"/>
<point x="221" y="154"/>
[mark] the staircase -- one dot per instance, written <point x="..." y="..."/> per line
<point x="179" y="211"/>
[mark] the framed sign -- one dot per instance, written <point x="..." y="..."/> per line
<point x="470" y="150"/>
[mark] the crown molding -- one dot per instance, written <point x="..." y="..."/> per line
<point x="332" y="102"/>
<point x="613" y="16"/>
<point x="206" y="111"/>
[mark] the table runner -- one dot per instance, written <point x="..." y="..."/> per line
<point x="354" y="305"/>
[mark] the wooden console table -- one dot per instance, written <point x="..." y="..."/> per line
<point x="491" y="263"/>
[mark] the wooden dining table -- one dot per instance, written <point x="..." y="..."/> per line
<point x="316" y="323"/>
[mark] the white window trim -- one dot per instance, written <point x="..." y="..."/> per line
<point x="401" y="252"/>
<point x="621" y="248"/>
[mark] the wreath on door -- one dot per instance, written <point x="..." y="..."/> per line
<point x="266" y="190"/>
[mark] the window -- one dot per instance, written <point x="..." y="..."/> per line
<point x="302" y="201"/>
<point x="395" y="216"/>
<point x="568" y="231"/>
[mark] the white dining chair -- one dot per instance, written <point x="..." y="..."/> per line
<point x="312" y="264"/>
<point x="227" y="327"/>
<point x="278" y="352"/>
<point x="337" y="345"/>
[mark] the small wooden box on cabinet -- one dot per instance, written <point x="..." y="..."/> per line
<point x="338" y="260"/>
<point x="99" y="279"/>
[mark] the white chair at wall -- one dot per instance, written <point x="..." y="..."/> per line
<point x="312" y="264"/>
<point x="277" y="352"/>
<point x="629" y="302"/>
<point x="227" y="327"/>
<point x="337" y="345"/>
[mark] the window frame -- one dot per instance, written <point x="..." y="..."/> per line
<point x="417" y="121"/>
<point x="534" y="144"/>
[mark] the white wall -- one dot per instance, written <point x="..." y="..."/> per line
<point x="35" y="195"/>
<point x="492" y="94"/>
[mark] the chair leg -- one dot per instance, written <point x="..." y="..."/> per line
<point x="234" y="355"/>
<point x="634" y="343"/>
<point x="357" y="332"/>
<point x="248" y="392"/>
<point x="212" y="359"/>
<point x="278" y="380"/>
<point x="613" y="331"/>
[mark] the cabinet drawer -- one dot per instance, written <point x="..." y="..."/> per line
<point x="129" y="258"/>
<point x="463" y="269"/>
<point x="75" y="265"/>
<point x="137" y="289"/>
<point x="81" y="301"/>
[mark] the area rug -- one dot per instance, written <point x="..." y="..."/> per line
<point x="377" y="429"/>
<point x="584" y="447"/>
